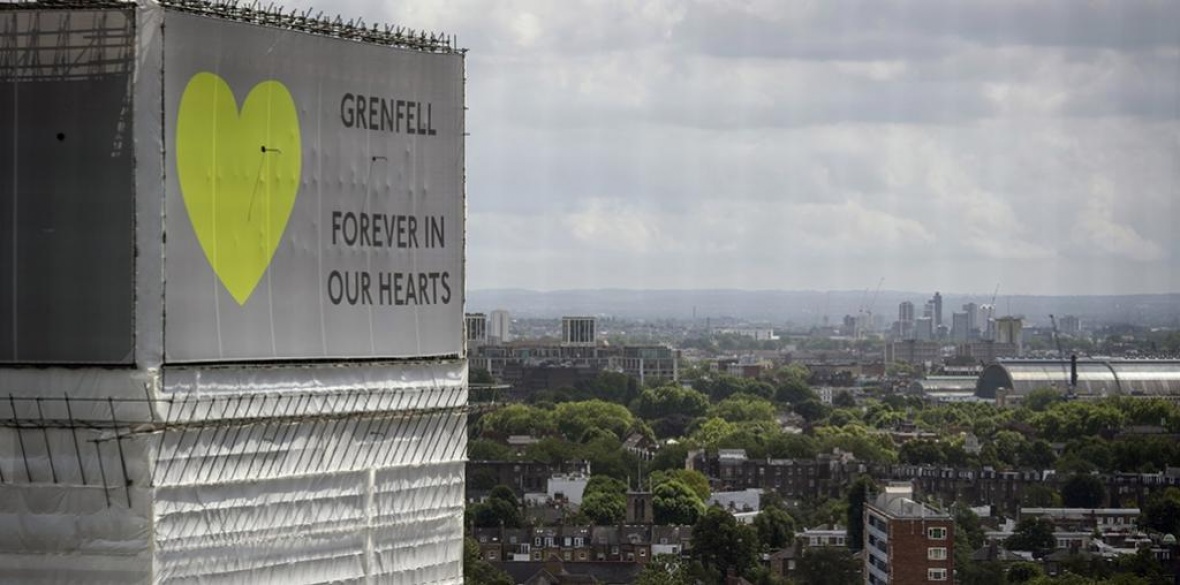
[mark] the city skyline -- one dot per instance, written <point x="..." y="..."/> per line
<point x="786" y="146"/>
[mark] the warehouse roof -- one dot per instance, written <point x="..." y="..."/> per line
<point x="1095" y="377"/>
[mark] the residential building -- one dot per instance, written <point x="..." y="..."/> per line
<point x="532" y="367"/>
<point x="1070" y="325"/>
<point x="913" y="351"/>
<point x="477" y="329"/>
<point x="578" y="331"/>
<point x="1011" y="330"/>
<point x="797" y="480"/>
<point x="907" y="542"/>
<point x="499" y="326"/>
<point x="824" y="535"/>
<point x="755" y="333"/>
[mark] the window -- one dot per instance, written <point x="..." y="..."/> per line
<point x="643" y="552"/>
<point x="491" y="555"/>
<point x="936" y="553"/>
<point x="936" y="533"/>
<point x="578" y="541"/>
<point x="936" y="574"/>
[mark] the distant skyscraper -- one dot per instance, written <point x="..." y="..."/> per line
<point x="960" y="330"/>
<point x="905" y="311"/>
<point x="987" y="325"/>
<point x="499" y="326"/>
<point x="905" y="320"/>
<point x="937" y="301"/>
<point x="972" y="320"/>
<point x="1011" y="330"/>
<point x="924" y="329"/>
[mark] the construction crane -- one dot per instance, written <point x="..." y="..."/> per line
<point x="866" y="310"/>
<point x="991" y="334"/>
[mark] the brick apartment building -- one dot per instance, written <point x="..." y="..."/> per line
<point x="533" y="367"/>
<point x="826" y="476"/>
<point x="907" y="542"/>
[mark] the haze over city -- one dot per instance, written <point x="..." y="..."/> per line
<point x="819" y="146"/>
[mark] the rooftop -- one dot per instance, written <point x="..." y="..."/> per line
<point x="897" y="503"/>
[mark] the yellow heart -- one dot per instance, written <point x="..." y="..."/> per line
<point x="238" y="173"/>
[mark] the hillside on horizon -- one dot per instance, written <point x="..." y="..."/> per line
<point x="808" y="308"/>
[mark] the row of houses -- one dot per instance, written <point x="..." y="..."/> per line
<point x="830" y="474"/>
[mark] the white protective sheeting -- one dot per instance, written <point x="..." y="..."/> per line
<point x="319" y="500"/>
<point x="328" y="506"/>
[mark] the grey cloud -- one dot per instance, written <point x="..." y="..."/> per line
<point x="860" y="29"/>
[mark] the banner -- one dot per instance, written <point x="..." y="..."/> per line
<point x="314" y="196"/>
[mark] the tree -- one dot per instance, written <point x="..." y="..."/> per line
<point x="606" y="456"/>
<point x="1162" y="512"/>
<point x="743" y="407"/>
<point x="1083" y="491"/>
<point x="791" y="445"/>
<point x="843" y="399"/>
<point x="775" y="527"/>
<point x="480" y="376"/>
<point x="671" y="456"/>
<point x="827" y="565"/>
<point x="710" y="432"/>
<point x="861" y="490"/>
<point x="689" y="477"/>
<point x="500" y="509"/>
<point x="1034" y="535"/>
<point x="810" y="409"/>
<point x="921" y="452"/>
<point x="1040" y="399"/>
<point x="1142" y="564"/>
<point x="1038" y="454"/>
<point x="1023" y="572"/>
<point x="666" y="401"/>
<point x="1039" y="495"/>
<point x="518" y="419"/>
<point x="575" y="418"/>
<point x="552" y="450"/>
<point x="604" y="508"/>
<point x="984" y="573"/>
<point x="790" y="384"/>
<point x="477" y="571"/>
<point x="967" y="524"/>
<point x="674" y="502"/>
<point x="664" y="570"/>
<point x="720" y="543"/>
<point x="485" y="450"/>
<point x="604" y="483"/>
<point x="611" y="387"/>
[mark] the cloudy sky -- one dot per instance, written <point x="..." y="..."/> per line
<point x="766" y="144"/>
